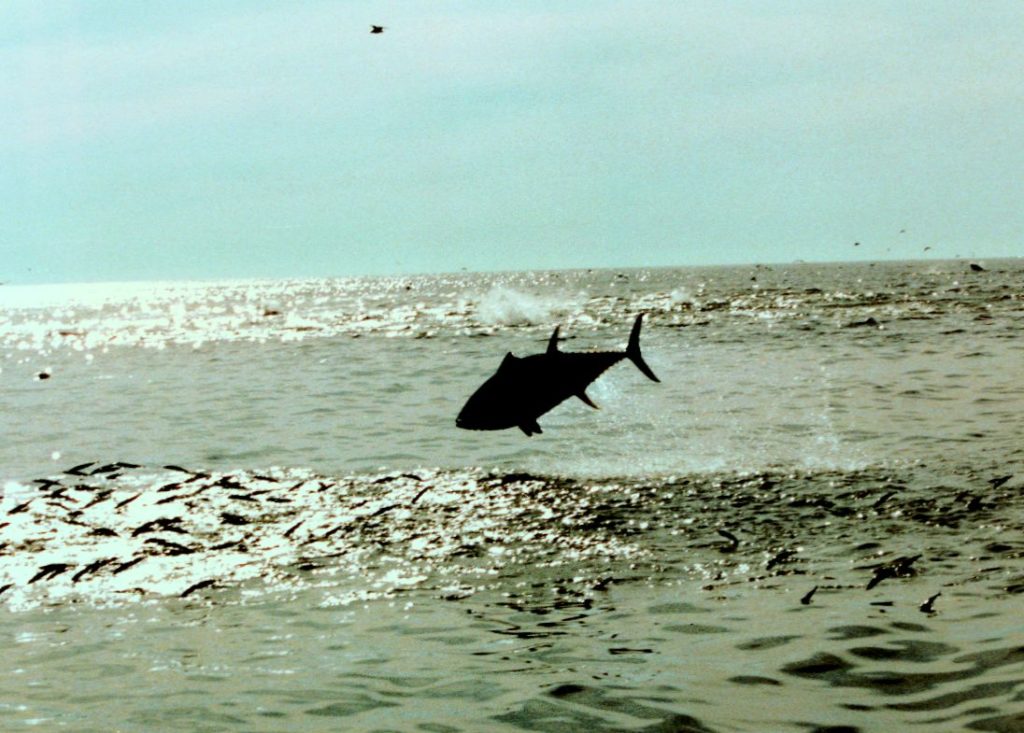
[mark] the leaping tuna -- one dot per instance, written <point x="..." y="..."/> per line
<point x="525" y="388"/>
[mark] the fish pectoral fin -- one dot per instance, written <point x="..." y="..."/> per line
<point x="583" y="396"/>
<point x="530" y="427"/>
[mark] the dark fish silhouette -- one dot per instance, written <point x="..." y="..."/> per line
<point x="525" y="388"/>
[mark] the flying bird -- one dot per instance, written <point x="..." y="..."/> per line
<point x="376" y="29"/>
<point x="524" y="388"/>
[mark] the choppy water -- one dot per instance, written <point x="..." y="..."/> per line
<point x="245" y="506"/>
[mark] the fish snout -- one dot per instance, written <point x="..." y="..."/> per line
<point x="464" y="420"/>
<point x="471" y="417"/>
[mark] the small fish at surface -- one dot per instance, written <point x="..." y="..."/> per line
<point x="929" y="605"/>
<point x="898" y="568"/>
<point x="734" y="541"/>
<point x="198" y="586"/>
<point x="48" y="572"/>
<point x="79" y="470"/>
<point x="525" y="388"/>
<point x="783" y="556"/>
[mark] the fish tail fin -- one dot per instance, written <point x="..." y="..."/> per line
<point x="633" y="350"/>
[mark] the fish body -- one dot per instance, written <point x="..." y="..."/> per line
<point x="524" y="388"/>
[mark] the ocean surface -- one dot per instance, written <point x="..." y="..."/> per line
<point x="245" y="506"/>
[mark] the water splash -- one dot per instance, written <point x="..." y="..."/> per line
<point x="507" y="306"/>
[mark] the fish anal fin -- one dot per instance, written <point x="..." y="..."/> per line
<point x="583" y="396"/>
<point x="530" y="427"/>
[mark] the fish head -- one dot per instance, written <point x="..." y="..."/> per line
<point x="493" y="405"/>
<point x="475" y="415"/>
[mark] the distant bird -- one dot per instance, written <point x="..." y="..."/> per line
<point x="856" y="244"/>
<point x="376" y="29"/>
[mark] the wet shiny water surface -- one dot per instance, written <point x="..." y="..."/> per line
<point x="245" y="507"/>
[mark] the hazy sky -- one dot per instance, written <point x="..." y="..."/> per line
<point x="236" y="138"/>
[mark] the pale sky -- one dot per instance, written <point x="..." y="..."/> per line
<point x="236" y="138"/>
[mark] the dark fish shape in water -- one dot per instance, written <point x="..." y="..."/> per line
<point x="525" y="388"/>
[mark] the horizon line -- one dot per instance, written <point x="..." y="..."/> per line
<point x="467" y="271"/>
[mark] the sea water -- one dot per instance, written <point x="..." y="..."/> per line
<point x="244" y="506"/>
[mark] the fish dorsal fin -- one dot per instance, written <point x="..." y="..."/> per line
<point x="508" y="361"/>
<point x="583" y="396"/>
<point x="553" y="341"/>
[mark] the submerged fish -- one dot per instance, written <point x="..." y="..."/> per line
<point x="525" y="388"/>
